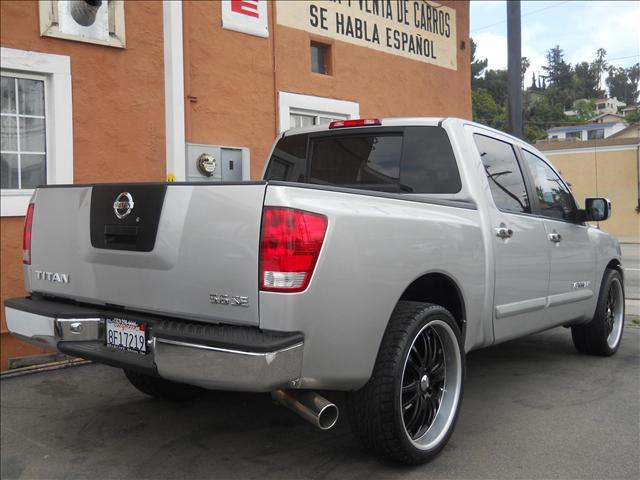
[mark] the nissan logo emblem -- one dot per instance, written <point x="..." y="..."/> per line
<point x="123" y="205"/>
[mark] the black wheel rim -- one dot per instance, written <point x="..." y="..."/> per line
<point x="423" y="382"/>
<point x="614" y="314"/>
<point x="610" y="309"/>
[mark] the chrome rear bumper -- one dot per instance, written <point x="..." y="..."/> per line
<point x="206" y="365"/>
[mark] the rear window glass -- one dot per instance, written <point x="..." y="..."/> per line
<point x="356" y="160"/>
<point x="288" y="160"/>
<point x="411" y="160"/>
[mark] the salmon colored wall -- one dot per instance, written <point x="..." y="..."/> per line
<point x="228" y="84"/>
<point x="384" y="85"/>
<point x="118" y="116"/>
<point x="234" y="78"/>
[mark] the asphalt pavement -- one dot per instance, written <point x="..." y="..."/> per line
<point x="533" y="408"/>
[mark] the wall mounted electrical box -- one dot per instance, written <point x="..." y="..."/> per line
<point x="216" y="163"/>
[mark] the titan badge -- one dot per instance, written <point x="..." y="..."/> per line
<point x="53" y="277"/>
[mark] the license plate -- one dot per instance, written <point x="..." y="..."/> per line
<point x="126" y="335"/>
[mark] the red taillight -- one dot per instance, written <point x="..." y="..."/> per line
<point x="26" y="236"/>
<point x="290" y="244"/>
<point x="359" y="122"/>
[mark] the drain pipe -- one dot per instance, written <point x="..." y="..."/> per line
<point x="174" y="90"/>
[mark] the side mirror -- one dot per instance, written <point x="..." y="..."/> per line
<point x="597" y="209"/>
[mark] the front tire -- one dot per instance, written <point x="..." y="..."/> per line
<point x="163" y="389"/>
<point x="408" y="409"/>
<point x="602" y="335"/>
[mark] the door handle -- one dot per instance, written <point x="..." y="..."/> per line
<point x="555" y="237"/>
<point x="503" y="232"/>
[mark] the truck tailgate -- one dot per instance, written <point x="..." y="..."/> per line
<point x="184" y="250"/>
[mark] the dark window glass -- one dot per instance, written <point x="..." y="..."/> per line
<point x="504" y="174"/>
<point x="411" y="160"/>
<point x="554" y="197"/>
<point x="428" y="163"/>
<point x="287" y="161"/>
<point x="357" y="160"/>
<point x="595" y="134"/>
<point x="577" y="135"/>
<point x="319" y="54"/>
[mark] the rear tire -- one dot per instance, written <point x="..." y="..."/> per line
<point x="163" y="389"/>
<point x="602" y="335"/>
<point x="408" y="409"/>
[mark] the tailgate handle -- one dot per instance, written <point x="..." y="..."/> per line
<point x="120" y="234"/>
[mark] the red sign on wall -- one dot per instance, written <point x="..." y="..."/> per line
<point x="245" y="7"/>
<point x="246" y="16"/>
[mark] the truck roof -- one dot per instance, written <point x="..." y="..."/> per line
<point x="406" y="122"/>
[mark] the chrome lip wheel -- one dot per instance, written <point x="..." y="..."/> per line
<point x="614" y="313"/>
<point x="431" y="382"/>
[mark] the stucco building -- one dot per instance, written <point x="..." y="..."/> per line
<point x="604" y="168"/>
<point x="137" y="91"/>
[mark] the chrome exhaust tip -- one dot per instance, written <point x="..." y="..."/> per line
<point x="314" y="408"/>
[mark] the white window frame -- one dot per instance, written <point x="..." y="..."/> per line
<point x="317" y="115"/>
<point x="56" y="72"/>
<point x="18" y="150"/>
<point x="289" y="103"/>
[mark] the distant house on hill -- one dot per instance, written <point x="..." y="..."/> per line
<point x="608" y="105"/>
<point x="607" y="118"/>
<point x="603" y="106"/>
<point x="591" y="131"/>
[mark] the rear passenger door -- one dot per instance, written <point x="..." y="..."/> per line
<point x="571" y="254"/>
<point x="519" y="239"/>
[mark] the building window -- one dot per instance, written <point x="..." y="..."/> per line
<point x="37" y="130"/>
<point x="306" y="118"/>
<point x="320" y="55"/>
<point x="574" y="135"/>
<point x="23" y="151"/>
<point x="597" y="134"/>
<point x="296" y="111"/>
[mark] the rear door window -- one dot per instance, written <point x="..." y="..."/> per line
<point x="503" y="173"/>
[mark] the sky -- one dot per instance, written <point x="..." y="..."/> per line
<point x="579" y="27"/>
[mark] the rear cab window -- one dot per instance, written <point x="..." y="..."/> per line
<point x="405" y="160"/>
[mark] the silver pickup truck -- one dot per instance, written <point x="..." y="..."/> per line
<point x="372" y="256"/>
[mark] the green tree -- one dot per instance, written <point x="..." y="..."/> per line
<point x="599" y="66"/>
<point x="477" y="66"/>
<point x="486" y="110"/>
<point x="524" y="66"/>
<point x="633" y="117"/>
<point x="585" y="110"/>
<point x="586" y="81"/>
<point x="623" y="83"/>
<point x="540" y="114"/>
<point x="560" y="77"/>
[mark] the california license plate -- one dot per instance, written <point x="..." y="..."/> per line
<point x="126" y="335"/>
